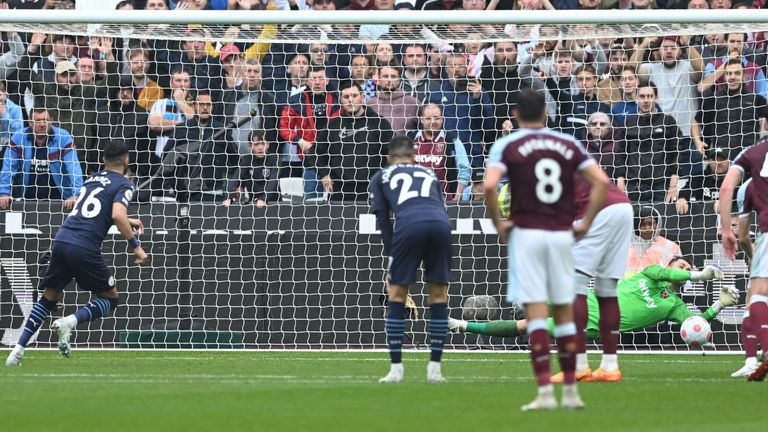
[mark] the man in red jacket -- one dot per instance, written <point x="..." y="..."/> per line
<point x="305" y="114"/>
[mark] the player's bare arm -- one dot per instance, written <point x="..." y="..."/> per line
<point x="123" y="224"/>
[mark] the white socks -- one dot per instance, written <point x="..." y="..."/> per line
<point x="610" y="362"/>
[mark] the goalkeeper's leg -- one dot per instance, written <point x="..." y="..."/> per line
<point x="500" y="328"/>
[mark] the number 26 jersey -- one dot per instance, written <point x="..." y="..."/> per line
<point x="90" y="219"/>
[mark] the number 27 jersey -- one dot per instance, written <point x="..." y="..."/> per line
<point x="411" y="192"/>
<point x="540" y="165"/>
<point x="90" y="219"/>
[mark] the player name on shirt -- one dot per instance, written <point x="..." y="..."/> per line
<point x="101" y="179"/>
<point x="545" y="144"/>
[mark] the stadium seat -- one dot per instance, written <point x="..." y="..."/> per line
<point x="292" y="188"/>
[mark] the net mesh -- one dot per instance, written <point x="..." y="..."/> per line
<point x="253" y="250"/>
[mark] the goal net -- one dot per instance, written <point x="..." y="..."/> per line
<point x="252" y="145"/>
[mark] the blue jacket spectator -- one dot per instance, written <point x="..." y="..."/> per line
<point x="11" y="118"/>
<point x="60" y="172"/>
<point x="467" y="109"/>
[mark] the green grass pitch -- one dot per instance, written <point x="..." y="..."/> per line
<point x="338" y="391"/>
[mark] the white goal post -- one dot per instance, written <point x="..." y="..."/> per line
<point x="295" y="274"/>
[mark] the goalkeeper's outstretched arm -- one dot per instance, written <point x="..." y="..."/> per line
<point x="729" y="296"/>
<point x="662" y="274"/>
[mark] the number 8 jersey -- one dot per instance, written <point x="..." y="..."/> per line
<point x="91" y="217"/>
<point x="540" y="165"/>
<point x="411" y="192"/>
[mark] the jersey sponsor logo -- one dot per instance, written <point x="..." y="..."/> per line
<point x="545" y="144"/>
<point x="649" y="303"/>
<point x="429" y="159"/>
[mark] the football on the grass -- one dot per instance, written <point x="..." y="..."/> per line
<point x="696" y="331"/>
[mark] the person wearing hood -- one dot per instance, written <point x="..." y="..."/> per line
<point x="391" y="103"/>
<point x="602" y="141"/>
<point x="648" y="246"/>
<point x="351" y="149"/>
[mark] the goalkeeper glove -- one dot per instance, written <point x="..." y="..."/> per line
<point x="710" y="272"/>
<point x="729" y="296"/>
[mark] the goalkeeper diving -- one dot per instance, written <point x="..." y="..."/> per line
<point x="645" y="299"/>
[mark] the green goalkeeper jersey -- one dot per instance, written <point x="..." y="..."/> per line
<point x="645" y="299"/>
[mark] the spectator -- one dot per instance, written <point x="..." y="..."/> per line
<point x="753" y="76"/>
<point x="647" y="159"/>
<point x="320" y="55"/>
<point x="204" y="70"/>
<point x="146" y="91"/>
<point x="705" y="187"/>
<point x="720" y="4"/>
<point x="63" y="48"/>
<point x="415" y="77"/>
<point x="256" y="177"/>
<point x="305" y="114"/>
<point x="360" y="73"/>
<point x="648" y="246"/>
<point x="576" y="108"/>
<point x="70" y="103"/>
<point x="698" y="4"/>
<point x="206" y="177"/>
<point x="296" y="80"/>
<point x="392" y="104"/>
<point x="561" y="81"/>
<point x="231" y="64"/>
<point x="602" y="142"/>
<point x="609" y="88"/>
<point x="10" y="58"/>
<point x="730" y="118"/>
<point x="502" y="81"/>
<point x="43" y="156"/>
<point x="250" y="100"/>
<point x="167" y="113"/>
<point x="467" y="108"/>
<point x="441" y="151"/>
<point x="383" y="54"/>
<point x="125" y="119"/>
<point x="11" y="117"/>
<point x="352" y="147"/>
<point x="674" y="76"/>
<point x="628" y="104"/>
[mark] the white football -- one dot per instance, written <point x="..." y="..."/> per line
<point x="695" y="331"/>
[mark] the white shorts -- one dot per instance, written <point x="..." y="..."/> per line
<point x="760" y="258"/>
<point x="604" y="250"/>
<point x="540" y="266"/>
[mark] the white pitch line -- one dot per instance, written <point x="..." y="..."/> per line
<point x="524" y="359"/>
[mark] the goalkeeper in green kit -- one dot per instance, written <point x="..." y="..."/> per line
<point x="645" y="299"/>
